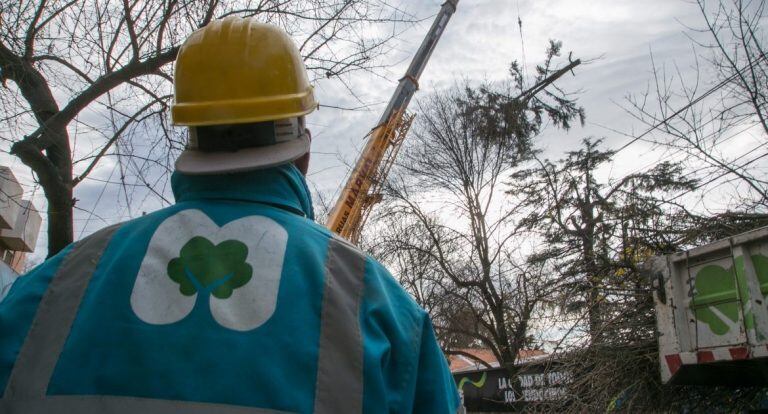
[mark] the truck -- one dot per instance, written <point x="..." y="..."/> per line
<point x="711" y="312"/>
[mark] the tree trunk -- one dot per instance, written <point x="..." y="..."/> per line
<point x="56" y="180"/>
<point x="61" y="223"/>
<point x="593" y="284"/>
<point x="60" y="218"/>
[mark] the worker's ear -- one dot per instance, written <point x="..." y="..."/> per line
<point x="302" y="163"/>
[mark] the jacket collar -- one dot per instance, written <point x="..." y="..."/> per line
<point x="282" y="186"/>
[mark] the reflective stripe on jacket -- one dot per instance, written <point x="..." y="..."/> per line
<point x="230" y="301"/>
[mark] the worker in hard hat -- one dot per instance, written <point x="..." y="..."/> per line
<point x="232" y="300"/>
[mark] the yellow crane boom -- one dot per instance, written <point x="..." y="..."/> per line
<point x="361" y="191"/>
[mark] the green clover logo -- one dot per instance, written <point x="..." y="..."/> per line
<point x="205" y="267"/>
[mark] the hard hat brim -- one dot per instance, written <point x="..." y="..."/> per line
<point x="225" y="112"/>
<point x="195" y="162"/>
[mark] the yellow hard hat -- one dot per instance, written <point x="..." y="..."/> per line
<point x="237" y="70"/>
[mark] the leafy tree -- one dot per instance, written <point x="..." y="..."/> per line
<point x="513" y="114"/>
<point x="598" y="233"/>
<point x="442" y="230"/>
<point x="203" y="265"/>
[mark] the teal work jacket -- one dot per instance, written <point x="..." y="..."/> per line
<point x="233" y="300"/>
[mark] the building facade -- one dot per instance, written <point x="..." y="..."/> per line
<point x="19" y="227"/>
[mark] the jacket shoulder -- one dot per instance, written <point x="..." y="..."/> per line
<point x="382" y="279"/>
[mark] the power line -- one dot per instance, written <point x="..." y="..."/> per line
<point x="91" y="213"/>
<point x="724" y="173"/>
<point x="522" y="40"/>
<point x="689" y="104"/>
<point x="678" y="151"/>
<point x="98" y="199"/>
<point x="672" y="154"/>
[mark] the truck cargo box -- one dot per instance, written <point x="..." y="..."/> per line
<point x="711" y="313"/>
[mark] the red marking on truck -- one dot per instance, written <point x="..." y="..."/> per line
<point x="705" y="356"/>
<point x="674" y="362"/>
<point x="741" y="352"/>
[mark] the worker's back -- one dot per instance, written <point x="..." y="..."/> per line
<point x="231" y="297"/>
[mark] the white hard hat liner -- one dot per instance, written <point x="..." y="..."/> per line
<point x="195" y="162"/>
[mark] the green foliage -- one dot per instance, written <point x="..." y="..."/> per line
<point x="201" y="264"/>
<point x="599" y="232"/>
<point x="466" y="269"/>
<point x="512" y="115"/>
<point x="591" y="226"/>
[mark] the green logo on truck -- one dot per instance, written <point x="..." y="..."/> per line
<point x="717" y="293"/>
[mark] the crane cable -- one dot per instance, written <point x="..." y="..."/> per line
<point x="522" y="41"/>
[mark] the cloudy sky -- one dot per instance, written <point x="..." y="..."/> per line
<point x="483" y="37"/>
<point x="616" y="37"/>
